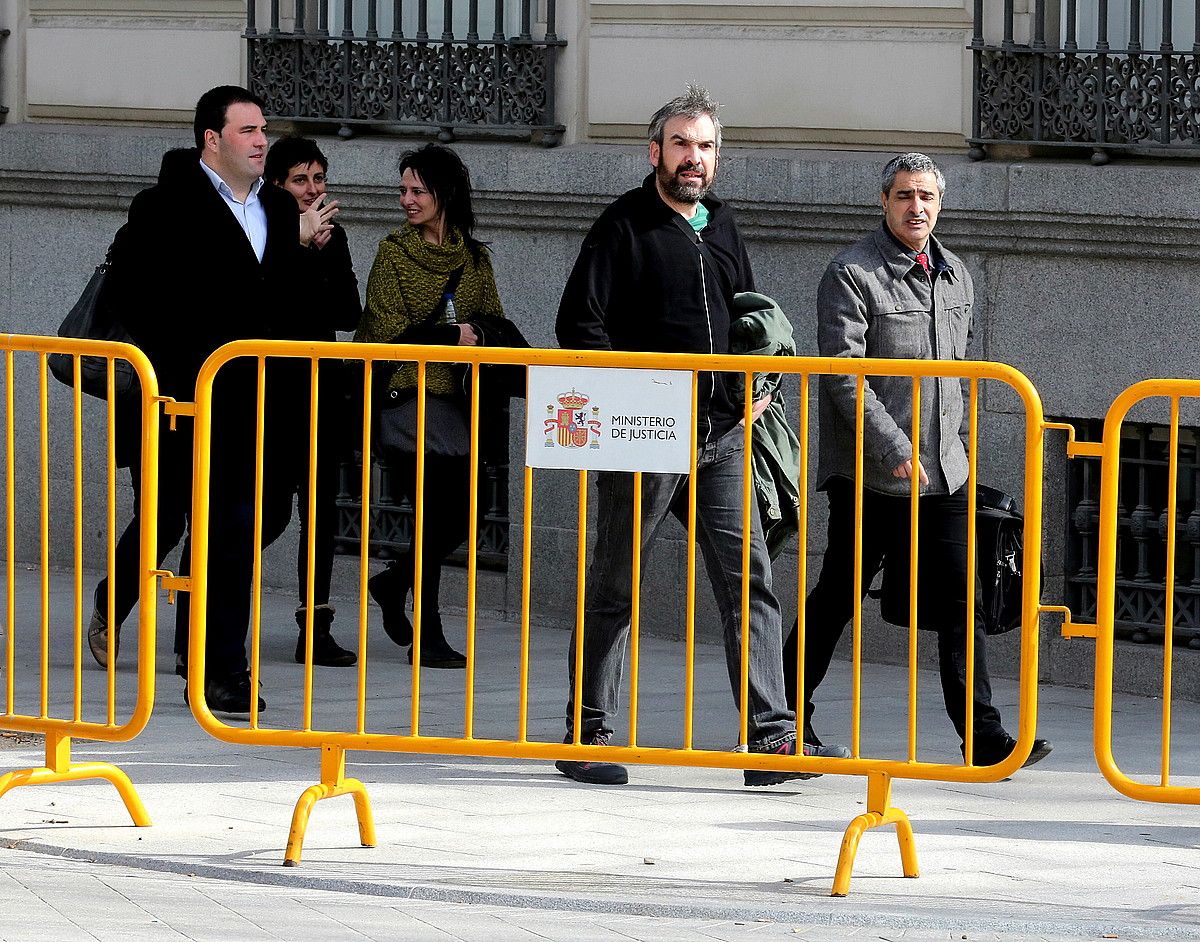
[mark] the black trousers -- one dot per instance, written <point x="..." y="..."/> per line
<point x="174" y="505"/>
<point x="337" y="432"/>
<point x="942" y="570"/>
<point x="446" y="519"/>
<point x="231" y="502"/>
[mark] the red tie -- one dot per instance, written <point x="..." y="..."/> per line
<point x="923" y="261"/>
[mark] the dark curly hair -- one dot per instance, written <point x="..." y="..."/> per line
<point x="448" y="181"/>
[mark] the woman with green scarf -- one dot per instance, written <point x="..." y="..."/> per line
<point x="432" y="283"/>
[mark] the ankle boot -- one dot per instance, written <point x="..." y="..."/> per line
<point x="326" y="651"/>
<point x="389" y="590"/>
<point x="435" y="649"/>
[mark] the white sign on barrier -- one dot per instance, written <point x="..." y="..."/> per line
<point x="602" y="419"/>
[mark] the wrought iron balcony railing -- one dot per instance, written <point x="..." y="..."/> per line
<point x="1094" y="74"/>
<point x="388" y="65"/>
<point x="1142" y="526"/>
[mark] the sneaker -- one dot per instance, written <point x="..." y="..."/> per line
<point x="993" y="753"/>
<point x="228" y="694"/>
<point x="593" y="773"/>
<point x="326" y="651"/>
<point x="97" y="637"/>
<point x="754" y="777"/>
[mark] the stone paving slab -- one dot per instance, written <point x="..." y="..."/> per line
<point x="486" y="848"/>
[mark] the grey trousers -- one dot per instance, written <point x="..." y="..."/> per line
<point x="719" y="534"/>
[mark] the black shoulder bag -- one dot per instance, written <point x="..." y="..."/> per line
<point x="91" y="319"/>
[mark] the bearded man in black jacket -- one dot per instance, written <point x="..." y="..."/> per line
<point x="658" y="272"/>
<point x="211" y="255"/>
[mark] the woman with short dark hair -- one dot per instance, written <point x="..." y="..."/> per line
<point x="297" y="165"/>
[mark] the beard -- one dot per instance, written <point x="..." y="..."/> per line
<point x="684" y="191"/>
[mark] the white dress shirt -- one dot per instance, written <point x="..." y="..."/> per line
<point x="251" y="215"/>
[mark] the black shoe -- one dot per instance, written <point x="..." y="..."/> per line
<point x="436" y="650"/>
<point x="996" y="751"/>
<point x="389" y="590"/>
<point x="755" y="777"/>
<point x="97" y="635"/>
<point x="593" y="773"/>
<point x="228" y="694"/>
<point x="181" y="669"/>
<point x="326" y="651"/>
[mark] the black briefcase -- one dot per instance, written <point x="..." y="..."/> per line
<point x="1000" y="544"/>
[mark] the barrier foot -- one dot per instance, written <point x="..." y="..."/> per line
<point x="60" y="768"/>
<point x="333" y="783"/>
<point x="879" y="812"/>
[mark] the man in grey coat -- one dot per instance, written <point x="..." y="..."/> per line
<point x="899" y="293"/>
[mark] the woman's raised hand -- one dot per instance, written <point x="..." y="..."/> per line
<point x="316" y="223"/>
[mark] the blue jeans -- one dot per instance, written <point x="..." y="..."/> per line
<point x="719" y="532"/>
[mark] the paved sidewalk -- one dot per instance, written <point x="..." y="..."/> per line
<point x="492" y="849"/>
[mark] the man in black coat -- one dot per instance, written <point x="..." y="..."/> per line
<point x="658" y="272"/>
<point x="210" y="255"/>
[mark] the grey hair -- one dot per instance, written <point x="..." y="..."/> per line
<point x="912" y="163"/>
<point x="693" y="103"/>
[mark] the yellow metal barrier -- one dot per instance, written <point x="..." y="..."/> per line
<point x="1172" y="390"/>
<point x="59" y="710"/>
<point x="879" y="772"/>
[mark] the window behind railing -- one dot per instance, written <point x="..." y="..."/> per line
<point x="1102" y="74"/>
<point x="454" y="67"/>
<point x="1141" y="533"/>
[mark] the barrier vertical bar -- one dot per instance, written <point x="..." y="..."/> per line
<point x="636" y="607"/>
<point x="856" y="625"/>
<point x="472" y="557"/>
<point x="77" y="527"/>
<point x="256" y="572"/>
<point x="914" y="514"/>
<point x="972" y="567"/>
<point x="689" y="615"/>
<point x="10" y="535"/>
<point x="44" y="448"/>
<point x="580" y="610"/>
<point x="418" y="545"/>
<point x="526" y="566"/>
<point x="1169" y="602"/>
<point x="110" y="604"/>
<point x="747" y="517"/>
<point x="364" y="543"/>
<point x="310" y="549"/>
<point x="802" y="552"/>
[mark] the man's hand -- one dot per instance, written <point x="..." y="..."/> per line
<point x="467" y="337"/>
<point x="758" y="408"/>
<point x="317" y="221"/>
<point x="905" y="471"/>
